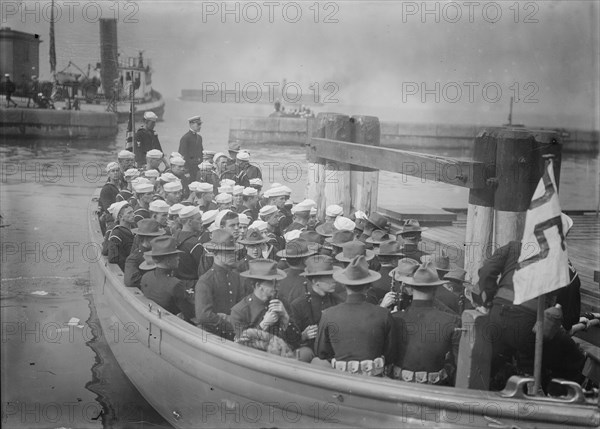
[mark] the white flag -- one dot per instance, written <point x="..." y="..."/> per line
<point x="543" y="263"/>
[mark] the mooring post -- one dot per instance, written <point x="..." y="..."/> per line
<point x="364" y="182"/>
<point x="329" y="182"/>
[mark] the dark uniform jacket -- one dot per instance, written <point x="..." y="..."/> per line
<point x="249" y="312"/>
<point x="187" y="242"/>
<point x="251" y="213"/>
<point x="108" y="195"/>
<point x="217" y="291"/>
<point x="167" y="291"/>
<point x="430" y="336"/>
<point x="292" y="286"/>
<point x="132" y="273"/>
<point x="382" y="286"/>
<point x="119" y="245"/>
<point x="356" y="330"/>
<point x="294" y="226"/>
<point x="306" y="310"/>
<point x="285" y="218"/>
<point x="215" y="178"/>
<point x="244" y="175"/>
<point x="145" y="140"/>
<point x="140" y="213"/>
<point x="190" y="147"/>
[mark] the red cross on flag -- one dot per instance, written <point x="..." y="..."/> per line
<point x="543" y="264"/>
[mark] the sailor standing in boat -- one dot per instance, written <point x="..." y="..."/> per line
<point x="244" y="170"/>
<point x="190" y="146"/>
<point x="358" y="337"/>
<point x="146" y="138"/>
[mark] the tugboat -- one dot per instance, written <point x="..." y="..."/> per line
<point x="115" y="83"/>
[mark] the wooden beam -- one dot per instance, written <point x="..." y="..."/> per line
<point x="464" y="173"/>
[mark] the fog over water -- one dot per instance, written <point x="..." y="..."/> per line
<point x="542" y="52"/>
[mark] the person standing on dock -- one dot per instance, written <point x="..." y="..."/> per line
<point x="9" y="90"/>
<point x="146" y="138"/>
<point x="190" y="146"/>
<point x="33" y="88"/>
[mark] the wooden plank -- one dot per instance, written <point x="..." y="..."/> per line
<point x="421" y="213"/>
<point x="464" y="173"/>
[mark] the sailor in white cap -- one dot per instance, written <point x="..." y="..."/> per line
<point x="152" y="175"/>
<point x="278" y="197"/>
<point x="256" y="184"/>
<point x="221" y="170"/>
<point x="173" y="222"/>
<point x="120" y="239"/>
<point x="144" y="193"/>
<point x="164" y="178"/>
<point x="110" y="190"/>
<point x="224" y="201"/>
<point x="156" y="160"/>
<point x="187" y="241"/>
<point x="9" y="89"/>
<point x="332" y="212"/>
<point x="238" y="202"/>
<point x="173" y="193"/>
<point x="204" y="196"/>
<point x="159" y="210"/>
<point x="244" y="224"/>
<point x="126" y="160"/>
<point x="244" y="170"/>
<point x="250" y="203"/>
<point x="190" y="146"/>
<point x="301" y="214"/>
<point x="146" y="138"/>
<point x="179" y="170"/>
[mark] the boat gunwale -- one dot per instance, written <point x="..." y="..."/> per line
<point x="391" y="391"/>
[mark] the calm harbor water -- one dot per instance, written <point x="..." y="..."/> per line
<point x="60" y="375"/>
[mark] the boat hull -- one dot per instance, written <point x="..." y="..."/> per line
<point x="195" y="379"/>
<point x="156" y="105"/>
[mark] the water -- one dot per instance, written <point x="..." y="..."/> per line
<point x="54" y="375"/>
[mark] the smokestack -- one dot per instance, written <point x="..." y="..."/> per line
<point x="108" y="55"/>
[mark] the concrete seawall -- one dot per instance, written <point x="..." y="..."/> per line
<point x="56" y="124"/>
<point x="293" y="131"/>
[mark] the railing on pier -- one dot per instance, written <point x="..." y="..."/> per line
<point x="345" y="158"/>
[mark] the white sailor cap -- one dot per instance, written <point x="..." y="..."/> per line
<point x="175" y="155"/>
<point x="244" y="219"/>
<point x="204" y="187"/>
<point x="256" y="182"/>
<point x="259" y="225"/>
<point x="168" y="177"/>
<point x="205" y="165"/>
<point x="131" y="174"/>
<point x="193" y="186"/>
<point x="125" y="154"/>
<point x="334" y="210"/>
<point x="227" y="182"/>
<point x="152" y="173"/>
<point x="175" y="209"/>
<point x="238" y="190"/>
<point x="196" y="118"/>
<point x="243" y="155"/>
<point x="154" y="153"/>
<point x="178" y="161"/>
<point x="267" y="210"/>
<point x="209" y="216"/>
<point x="173" y="186"/>
<point x="219" y="155"/>
<point x="291" y="235"/>
<point x="226" y="189"/>
<point x="112" y="166"/>
<point x="115" y="208"/>
<point x="150" y="116"/>
<point x="277" y="192"/>
<point x="342" y="223"/>
<point x="359" y="214"/>
<point x="159" y="206"/>
<point x="249" y="192"/>
<point x="139" y="181"/>
<point x="143" y="188"/>
<point x="188" y="211"/>
<point x="219" y="217"/>
<point x="224" y="198"/>
<point x="213" y="227"/>
<point x="303" y="206"/>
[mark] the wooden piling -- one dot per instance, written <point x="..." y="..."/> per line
<point x="480" y="211"/>
<point x="364" y="182"/>
<point x="329" y="181"/>
<point x="475" y="352"/>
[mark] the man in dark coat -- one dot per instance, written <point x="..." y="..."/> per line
<point x="430" y="347"/>
<point x="319" y="295"/>
<point x="9" y="89"/>
<point x="120" y="239"/>
<point x="190" y="146"/>
<point x="356" y="336"/>
<point x="146" y="231"/>
<point x="295" y="253"/>
<point x="146" y="139"/>
<point x="187" y="242"/>
<point x="244" y="170"/>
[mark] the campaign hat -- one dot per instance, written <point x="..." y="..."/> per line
<point x="457" y="274"/>
<point x="253" y="236"/>
<point x="411" y="225"/>
<point x="319" y="265"/>
<point x="148" y="228"/>
<point x="406" y="268"/>
<point x="148" y="263"/>
<point x="389" y="248"/>
<point x="326" y="229"/>
<point x="378" y="236"/>
<point x="263" y="269"/>
<point x="378" y="220"/>
<point x="425" y="276"/>
<point x="311" y="236"/>
<point x="352" y="249"/>
<point x="297" y="248"/>
<point x="163" y="246"/>
<point x="356" y="273"/>
<point x="440" y="262"/>
<point x="339" y="238"/>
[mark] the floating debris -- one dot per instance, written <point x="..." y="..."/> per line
<point x="40" y="292"/>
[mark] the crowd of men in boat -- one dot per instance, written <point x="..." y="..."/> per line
<point x="242" y="261"/>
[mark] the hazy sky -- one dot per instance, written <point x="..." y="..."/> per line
<point x="376" y="54"/>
